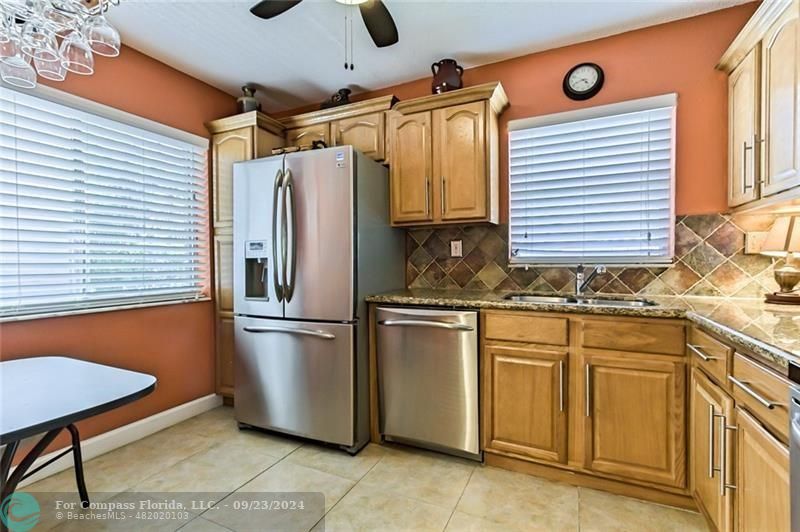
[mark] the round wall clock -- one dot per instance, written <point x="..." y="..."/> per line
<point x="583" y="81"/>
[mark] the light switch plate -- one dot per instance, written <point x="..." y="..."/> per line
<point x="753" y="241"/>
<point x="456" y="249"/>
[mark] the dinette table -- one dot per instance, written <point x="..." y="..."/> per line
<point x="48" y="394"/>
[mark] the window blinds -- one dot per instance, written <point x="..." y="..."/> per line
<point x="593" y="186"/>
<point x="95" y="212"/>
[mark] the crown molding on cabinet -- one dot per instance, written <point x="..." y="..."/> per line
<point x="752" y="32"/>
<point x="373" y="105"/>
<point x="253" y="118"/>
<point x="492" y="91"/>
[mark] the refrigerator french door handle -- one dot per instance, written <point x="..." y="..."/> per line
<point x="276" y="191"/>
<point x="305" y="332"/>
<point x="289" y="203"/>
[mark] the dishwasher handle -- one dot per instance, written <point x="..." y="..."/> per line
<point x="426" y="323"/>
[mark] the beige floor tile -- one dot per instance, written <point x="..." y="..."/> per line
<point x="336" y="461"/>
<point x="288" y="477"/>
<point x="365" y="508"/>
<point x="203" y="525"/>
<point x="601" y="511"/>
<point x="219" y="469"/>
<point x="429" y="477"/>
<point x="515" y="499"/>
<point x="461" y="522"/>
<point x="282" y="481"/>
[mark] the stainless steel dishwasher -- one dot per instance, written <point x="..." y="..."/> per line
<point x="428" y="378"/>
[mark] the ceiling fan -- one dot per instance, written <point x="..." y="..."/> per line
<point x="377" y="19"/>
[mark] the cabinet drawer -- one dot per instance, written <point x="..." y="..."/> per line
<point x="709" y="354"/>
<point x="635" y="336"/>
<point x="523" y="328"/>
<point x="764" y="393"/>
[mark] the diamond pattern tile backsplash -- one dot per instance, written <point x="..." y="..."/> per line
<point x="709" y="261"/>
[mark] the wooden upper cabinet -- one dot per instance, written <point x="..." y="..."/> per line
<point x="365" y="133"/>
<point x="460" y="158"/>
<point x="781" y="104"/>
<point x="411" y="168"/>
<point x="305" y="136"/>
<point x="360" y="124"/>
<point x="743" y="106"/>
<point x="634" y="417"/>
<point x="763" y="65"/>
<point x="710" y="408"/>
<point x="762" y="478"/>
<point x="227" y="148"/>
<point x="525" y="402"/>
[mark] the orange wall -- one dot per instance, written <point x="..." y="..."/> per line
<point x="674" y="57"/>
<point x="173" y="342"/>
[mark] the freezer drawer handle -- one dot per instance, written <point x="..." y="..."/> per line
<point x="425" y="323"/>
<point x="305" y="332"/>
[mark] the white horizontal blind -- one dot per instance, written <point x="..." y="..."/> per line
<point x="94" y="212"/>
<point x="593" y="186"/>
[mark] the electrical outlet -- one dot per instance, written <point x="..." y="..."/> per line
<point x="456" y="249"/>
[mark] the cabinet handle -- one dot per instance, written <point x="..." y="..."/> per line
<point x="745" y="149"/>
<point x="723" y="455"/>
<point x="742" y="385"/>
<point x="711" y="417"/>
<point x="561" y="385"/>
<point x="699" y="352"/>
<point x="427" y="195"/>
<point x="588" y="376"/>
<point x="441" y="196"/>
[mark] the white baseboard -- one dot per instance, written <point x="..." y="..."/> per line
<point x="114" y="439"/>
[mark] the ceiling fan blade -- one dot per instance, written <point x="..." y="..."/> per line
<point x="379" y="23"/>
<point x="272" y="8"/>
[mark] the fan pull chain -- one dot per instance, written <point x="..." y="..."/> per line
<point x="346" y="64"/>
<point x="352" y="63"/>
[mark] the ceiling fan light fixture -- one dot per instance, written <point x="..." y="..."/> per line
<point x="352" y="2"/>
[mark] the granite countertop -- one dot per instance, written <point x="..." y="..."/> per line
<point x="772" y="332"/>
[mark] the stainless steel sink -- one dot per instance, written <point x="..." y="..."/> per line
<point x="581" y="300"/>
<point x="608" y="302"/>
<point x="527" y="298"/>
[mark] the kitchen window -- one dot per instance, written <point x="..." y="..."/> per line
<point x="594" y="186"/>
<point x="98" y="208"/>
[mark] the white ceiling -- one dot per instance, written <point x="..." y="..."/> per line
<point x="298" y="57"/>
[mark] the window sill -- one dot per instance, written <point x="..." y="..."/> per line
<point x="96" y="310"/>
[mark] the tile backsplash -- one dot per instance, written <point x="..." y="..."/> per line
<point x="709" y="261"/>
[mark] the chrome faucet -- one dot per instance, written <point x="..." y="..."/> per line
<point x="582" y="281"/>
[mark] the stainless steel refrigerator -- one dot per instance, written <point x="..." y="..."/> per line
<point x="311" y="238"/>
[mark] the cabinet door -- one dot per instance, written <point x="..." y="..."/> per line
<point x="305" y="136"/>
<point x="525" y="399"/>
<point x="225" y="370"/>
<point x="411" y="168"/>
<point x="365" y="133"/>
<point x="762" y="478"/>
<point x="223" y="273"/>
<point x="459" y="139"/>
<point x="635" y="419"/>
<point x="742" y="135"/>
<point x="710" y="407"/>
<point x="227" y="148"/>
<point x="780" y="105"/>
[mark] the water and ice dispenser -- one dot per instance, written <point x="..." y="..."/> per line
<point x="256" y="269"/>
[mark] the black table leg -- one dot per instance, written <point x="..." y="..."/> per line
<point x="78" y="460"/>
<point x="5" y="463"/>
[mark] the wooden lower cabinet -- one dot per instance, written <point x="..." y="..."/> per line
<point x="525" y="402"/>
<point x="762" y="478"/>
<point x="635" y="423"/>
<point x="710" y="408"/>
